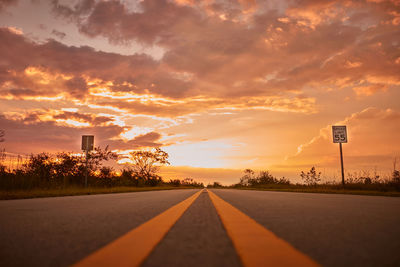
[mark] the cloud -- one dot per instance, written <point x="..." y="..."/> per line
<point x="370" y="90"/>
<point x="59" y="34"/>
<point x="91" y="119"/>
<point x="217" y="50"/>
<point x="5" y="3"/>
<point x="228" y="51"/>
<point x="372" y="142"/>
<point x="34" y="132"/>
<point x="76" y="66"/>
<point x="58" y="71"/>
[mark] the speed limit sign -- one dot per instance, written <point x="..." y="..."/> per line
<point x="339" y="134"/>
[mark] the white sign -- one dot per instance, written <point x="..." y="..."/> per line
<point x="339" y="134"/>
<point x="87" y="142"/>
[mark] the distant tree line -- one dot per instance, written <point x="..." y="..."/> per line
<point x="312" y="179"/>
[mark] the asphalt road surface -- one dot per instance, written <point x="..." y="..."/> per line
<point x="60" y="231"/>
<point x="334" y="230"/>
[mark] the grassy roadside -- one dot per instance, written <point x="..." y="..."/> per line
<point x="76" y="191"/>
<point x="326" y="191"/>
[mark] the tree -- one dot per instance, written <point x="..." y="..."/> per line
<point x="215" y="185"/>
<point x="2" y="154"/>
<point x="311" y="177"/>
<point x="175" y="182"/>
<point x="396" y="173"/>
<point x="64" y="168"/>
<point x="41" y="168"/>
<point x="264" y="178"/>
<point x="146" y="163"/>
<point x="2" y="160"/>
<point x="247" y="177"/>
<point x="98" y="155"/>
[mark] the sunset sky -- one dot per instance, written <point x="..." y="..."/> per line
<point x="221" y="85"/>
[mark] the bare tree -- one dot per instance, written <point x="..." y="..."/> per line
<point x="396" y="172"/>
<point x="247" y="177"/>
<point x="2" y="152"/>
<point x="147" y="163"/>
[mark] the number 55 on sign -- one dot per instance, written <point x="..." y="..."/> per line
<point x="339" y="134"/>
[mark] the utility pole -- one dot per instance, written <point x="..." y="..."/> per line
<point x="86" y="173"/>
<point x="341" y="162"/>
<point x="87" y="145"/>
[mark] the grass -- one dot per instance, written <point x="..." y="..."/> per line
<point x="326" y="191"/>
<point x="75" y="191"/>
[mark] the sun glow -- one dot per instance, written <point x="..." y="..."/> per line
<point x="73" y="123"/>
<point x="134" y="132"/>
<point x="207" y="154"/>
<point x="131" y="97"/>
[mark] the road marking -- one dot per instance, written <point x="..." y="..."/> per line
<point x="255" y="245"/>
<point x="133" y="248"/>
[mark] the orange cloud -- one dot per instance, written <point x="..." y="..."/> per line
<point x="370" y="90"/>
<point x="373" y="142"/>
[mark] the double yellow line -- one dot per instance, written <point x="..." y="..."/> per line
<point x="255" y="245"/>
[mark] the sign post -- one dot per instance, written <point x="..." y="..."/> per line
<point x="87" y="145"/>
<point x="339" y="134"/>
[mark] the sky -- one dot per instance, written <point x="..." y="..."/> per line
<point x="221" y="85"/>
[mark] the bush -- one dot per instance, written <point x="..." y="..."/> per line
<point x="312" y="177"/>
<point x="262" y="179"/>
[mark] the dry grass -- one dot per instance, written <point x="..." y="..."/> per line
<point x="75" y="191"/>
<point x="326" y="191"/>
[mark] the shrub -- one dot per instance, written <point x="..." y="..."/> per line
<point x="175" y="182"/>
<point x="311" y="177"/>
<point x="263" y="178"/>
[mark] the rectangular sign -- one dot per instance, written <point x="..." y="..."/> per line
<point x="87" y="142"/>
<point x="339" y="134"/>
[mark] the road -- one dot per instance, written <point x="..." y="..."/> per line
<point x="326" y="229"/>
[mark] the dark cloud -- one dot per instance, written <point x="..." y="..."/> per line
<point x="18" y="53"/>
<point x="229" y="56"/>
<point x="5" y="3"/>
<point x="157" y="18"/>
<point x="229" y="52"/>
<point x="147" y="140"/>
<point x="77" y="86"/>
<point x="59" y="34"/>
<point x="227" y="47"/>
<point x="31" y="134"/>
<point x="81" y="8"/>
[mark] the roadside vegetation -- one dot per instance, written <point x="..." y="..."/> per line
<point x="64" y="173"/>
<point x="75" y="191"/>
<point x="356" y="183"/>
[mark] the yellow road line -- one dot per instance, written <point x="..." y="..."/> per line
<point x="255" y="245"/>
<point x="133" y="248"/>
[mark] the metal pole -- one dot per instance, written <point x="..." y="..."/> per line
<point x="86" y="174"/>
<point x="341" y="162"/>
